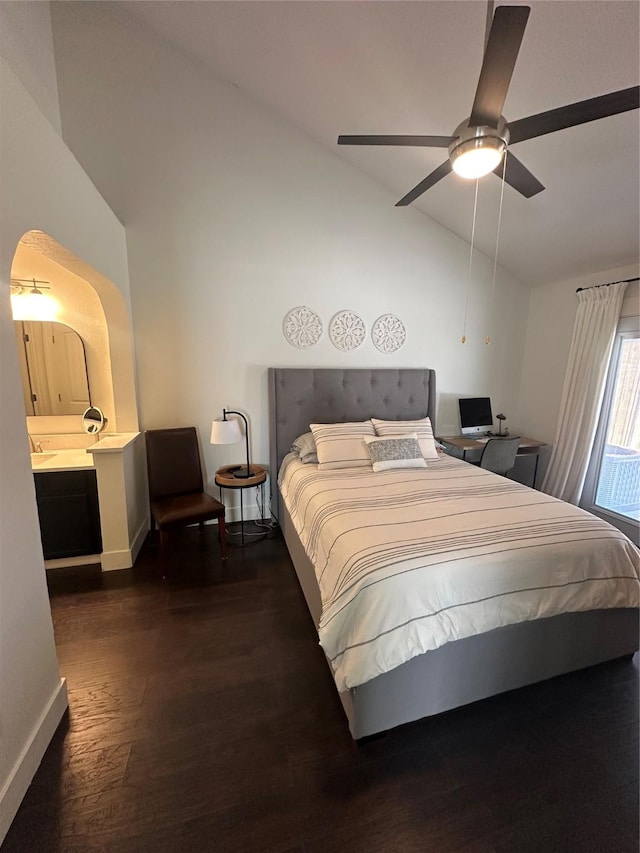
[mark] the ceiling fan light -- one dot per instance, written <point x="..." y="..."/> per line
<point x="477" y="157"/>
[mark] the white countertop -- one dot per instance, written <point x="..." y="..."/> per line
<point x="61" y="460"/>
<point x="80" y="458"/>
<point x="115" y="441"/>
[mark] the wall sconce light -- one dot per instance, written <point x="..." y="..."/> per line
<point x="228" y="432"/>
<point x="28" y="302"/>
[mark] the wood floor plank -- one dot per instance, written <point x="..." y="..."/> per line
<point x="203" y="719"/>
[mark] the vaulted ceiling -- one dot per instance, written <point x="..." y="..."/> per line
<point x="400" y="67"/>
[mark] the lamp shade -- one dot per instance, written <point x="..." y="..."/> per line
<point x="225" y="432"/>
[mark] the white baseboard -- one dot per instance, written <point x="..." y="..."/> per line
<point x="123" y="559"/>
<point x="112" y="561"/>
<point x="138" y="539"/>
<point x="232" y="514"/>
<point x="15" y="787"/>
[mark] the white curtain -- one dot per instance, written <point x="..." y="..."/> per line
<point x="593" y="336"/>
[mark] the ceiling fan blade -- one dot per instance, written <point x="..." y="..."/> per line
<point x="505" y="38"/>
<point x="488" y="22"/>
<point x="424" y="185"/>
<point x="574" y="114"/>
<point x="519" y="177"/>
<point x="423" y="141"/>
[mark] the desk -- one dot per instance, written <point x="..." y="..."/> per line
<point x="225" y="480"/>
<point x="527" y="447"/>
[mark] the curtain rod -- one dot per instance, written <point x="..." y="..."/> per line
<point x="606" y="284"/>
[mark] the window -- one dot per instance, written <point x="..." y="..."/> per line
<point x="612" y="486"/>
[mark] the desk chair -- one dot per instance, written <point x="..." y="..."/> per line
<point x="499" y="454"/>
<point x="176" y="490"/>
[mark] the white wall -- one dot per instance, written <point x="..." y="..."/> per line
<point x="234" y="217"/>
<point x="26" y="44"/>
<point x="552" y="312"/>
<point x="39" y="177"/>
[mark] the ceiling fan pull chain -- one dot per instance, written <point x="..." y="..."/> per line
<point x="487" y="340"/>
<point x="473" y="233"/>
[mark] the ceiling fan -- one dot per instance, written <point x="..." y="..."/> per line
<point x="479" y="143"/>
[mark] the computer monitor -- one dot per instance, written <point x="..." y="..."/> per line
<point x="475" y="415"/>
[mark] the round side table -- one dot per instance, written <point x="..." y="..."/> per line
<point x="225" y="479"/>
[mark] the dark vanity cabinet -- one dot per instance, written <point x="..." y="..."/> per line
<point x="68" y="512"/>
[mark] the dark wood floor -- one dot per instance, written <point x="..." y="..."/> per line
<point x="203" y="718"/>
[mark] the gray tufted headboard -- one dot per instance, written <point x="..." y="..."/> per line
<point x="300" y="396"/>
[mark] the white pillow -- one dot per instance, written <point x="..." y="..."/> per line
<point x="305" y="447"/>
<point x="422" y="428"/>
<point x="400" y="451"/>
<point x="342" y="445"/>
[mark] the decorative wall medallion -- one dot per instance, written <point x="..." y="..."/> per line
<point x="302" y="327"/>
<point x="388" y="333"/>
<point x="347" y="331"/>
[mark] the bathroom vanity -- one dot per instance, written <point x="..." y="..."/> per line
<point x="90" y="484"/>
<point x="68" y="508"/>
<point x="92" y="501"/>
<point x="69" y="513"/>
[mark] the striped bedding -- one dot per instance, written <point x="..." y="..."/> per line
<point x="410" y="559"/>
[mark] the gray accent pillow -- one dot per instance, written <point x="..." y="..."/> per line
<point x="399" y="451"/>
<point x="305" y="447"/>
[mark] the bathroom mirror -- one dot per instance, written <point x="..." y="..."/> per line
<point x="53" y="368"/>
<point x="93" y="420"/>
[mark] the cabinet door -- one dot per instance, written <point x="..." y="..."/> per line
<point x="68" y="513"/>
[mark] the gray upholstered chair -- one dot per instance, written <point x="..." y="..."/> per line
<point x="499" y="454"/>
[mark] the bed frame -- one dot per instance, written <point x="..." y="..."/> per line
<point x="463" y="671"/>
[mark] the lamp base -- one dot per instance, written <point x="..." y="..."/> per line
<point x="242" y="473"/>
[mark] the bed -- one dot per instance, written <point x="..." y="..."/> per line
<point x="456" y="671"/>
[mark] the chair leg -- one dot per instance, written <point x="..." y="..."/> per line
<point x="222" y="536"/>
<point x="165" y="562"/>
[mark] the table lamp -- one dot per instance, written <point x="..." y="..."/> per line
<point x="228" y="432"/>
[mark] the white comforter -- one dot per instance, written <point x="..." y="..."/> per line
<point x="408" y="560"/>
